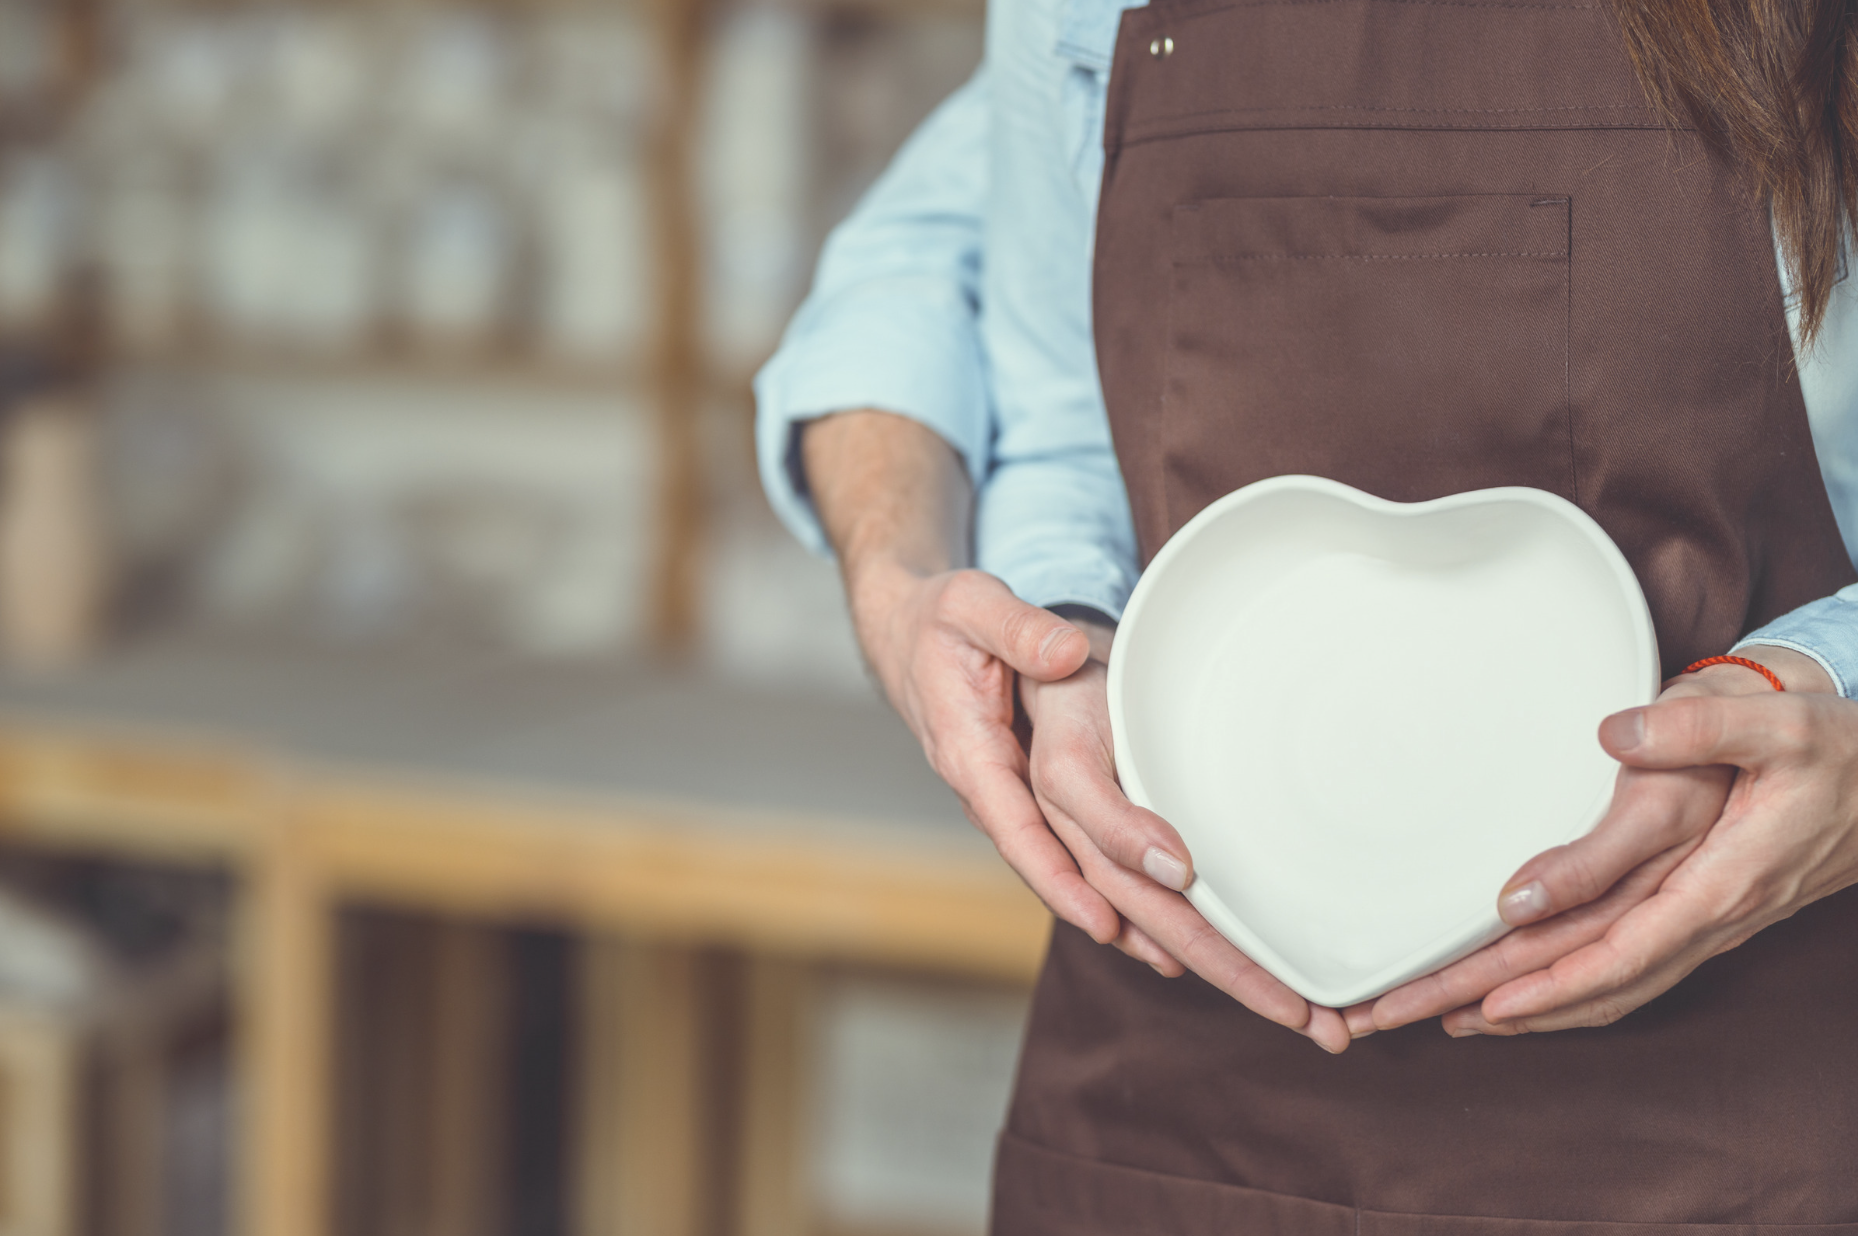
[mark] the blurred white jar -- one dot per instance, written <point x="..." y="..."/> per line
<point x="454" y="281"/>
<point x="452" y="83"/>
<point x="53" y="562"/>
<point x="594" y="297"/>
<point x="755" y="171"/>
<point x="38" y="207"/>
<point x="249" y="241"/>
<point x="319" y="70"/>
<point x="332" y="302"/>
<point x="597" y="63"/>
<point x="290" y="255"/>
<point x="192" y="69"/>
<point x="146" y="247"/>
<point x="28" y="50"/>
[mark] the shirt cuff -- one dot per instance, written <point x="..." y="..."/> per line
<point x="895" y="345"/>
<point x="1057" y="530"/>
<point x="1825" y="630"/>
<point x="1093" y="581"/>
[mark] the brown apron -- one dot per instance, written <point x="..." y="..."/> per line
<point x="1425" y="246"/>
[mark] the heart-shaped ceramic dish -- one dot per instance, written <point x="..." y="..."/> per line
<point x="1364" y="715"/>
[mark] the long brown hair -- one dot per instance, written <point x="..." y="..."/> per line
<point x="1773" y="84"/>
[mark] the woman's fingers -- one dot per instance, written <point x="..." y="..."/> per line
<point x="1171" y="922"/>
<point x="1137" y="861"/>
<point x="1652" y="811"/>
<point x="1074" y="770"/>
<point x="1074" y="780"/>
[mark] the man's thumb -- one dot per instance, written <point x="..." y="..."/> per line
<point x="1034" y="641"/>
<point x="1700" y="730"/>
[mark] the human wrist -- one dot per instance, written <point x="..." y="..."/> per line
<point x="893" y="498"/>
<point x="1099" y="628"/>
<point x="1796" y="671"/>
<point x="890" y="599"/>
<point x="878" y="580"/>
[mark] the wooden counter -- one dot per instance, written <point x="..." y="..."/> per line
<point x="657" y="810"/>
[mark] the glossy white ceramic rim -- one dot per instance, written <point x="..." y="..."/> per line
<point x="1475" y="931"/>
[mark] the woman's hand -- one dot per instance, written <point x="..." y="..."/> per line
<point x="1736" y="806"/>
<point x="1073" y="775"/>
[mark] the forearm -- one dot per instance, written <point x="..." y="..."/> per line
<point x="1812" y="648"/>
<point x="895" y="502"/>
<point x="891" y="321"/>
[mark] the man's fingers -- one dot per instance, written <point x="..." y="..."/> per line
<point x="1744" y="730"/>
<point x="1328" y="1029"/>
<point x="1464" y="1022"/>
<point x="1002" y="807"/>
<point x="1034" y="641"/>
<point x="1140" y="945"/>
<point x="1652" y="811"/>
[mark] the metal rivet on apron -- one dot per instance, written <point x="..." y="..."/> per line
<point x="1163" y="46"/>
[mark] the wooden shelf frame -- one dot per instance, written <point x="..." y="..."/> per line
<point x="659" y="880"/>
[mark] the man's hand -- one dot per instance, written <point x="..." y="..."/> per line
<point x="949" y="644"/>
<point x="1735" y="807"/>
<point x="946" y="642"/>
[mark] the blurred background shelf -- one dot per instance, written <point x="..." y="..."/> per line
<point x="721" y="848"/>
<point x="636" y="796"/>
<point x="472" y="797"/>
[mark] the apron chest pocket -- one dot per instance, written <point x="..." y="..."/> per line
<point x="1417" y="345"/>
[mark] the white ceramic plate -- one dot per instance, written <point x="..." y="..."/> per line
<point x="1364" y="715"/>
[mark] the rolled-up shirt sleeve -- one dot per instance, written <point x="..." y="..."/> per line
<point x="1825" y="630"/>
<point x="1056" y="527"/>
<point x="891" y="321"/>
<point x="1053" y="520"/>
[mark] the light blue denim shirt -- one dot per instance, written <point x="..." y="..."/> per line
<point x="958" y="293"/>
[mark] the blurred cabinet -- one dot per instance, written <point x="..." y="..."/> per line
<point x="496" y="199"/>
<point x="707" y="933"/>
<point x="620" y="195"/>
<point x="94" y="1068"/>
<point x="41" y="1063"/>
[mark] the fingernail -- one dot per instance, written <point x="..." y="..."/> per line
<point x="1523" y="905"/>
<point x="1164" y="869"/>
<point x="1052" y="641"/>
<point x="1362" y="1034"/>
<point x="1462" y="1034"/>
<point x="1623" y="731"/>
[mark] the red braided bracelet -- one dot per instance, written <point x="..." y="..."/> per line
<point x="1757" y="666"/>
